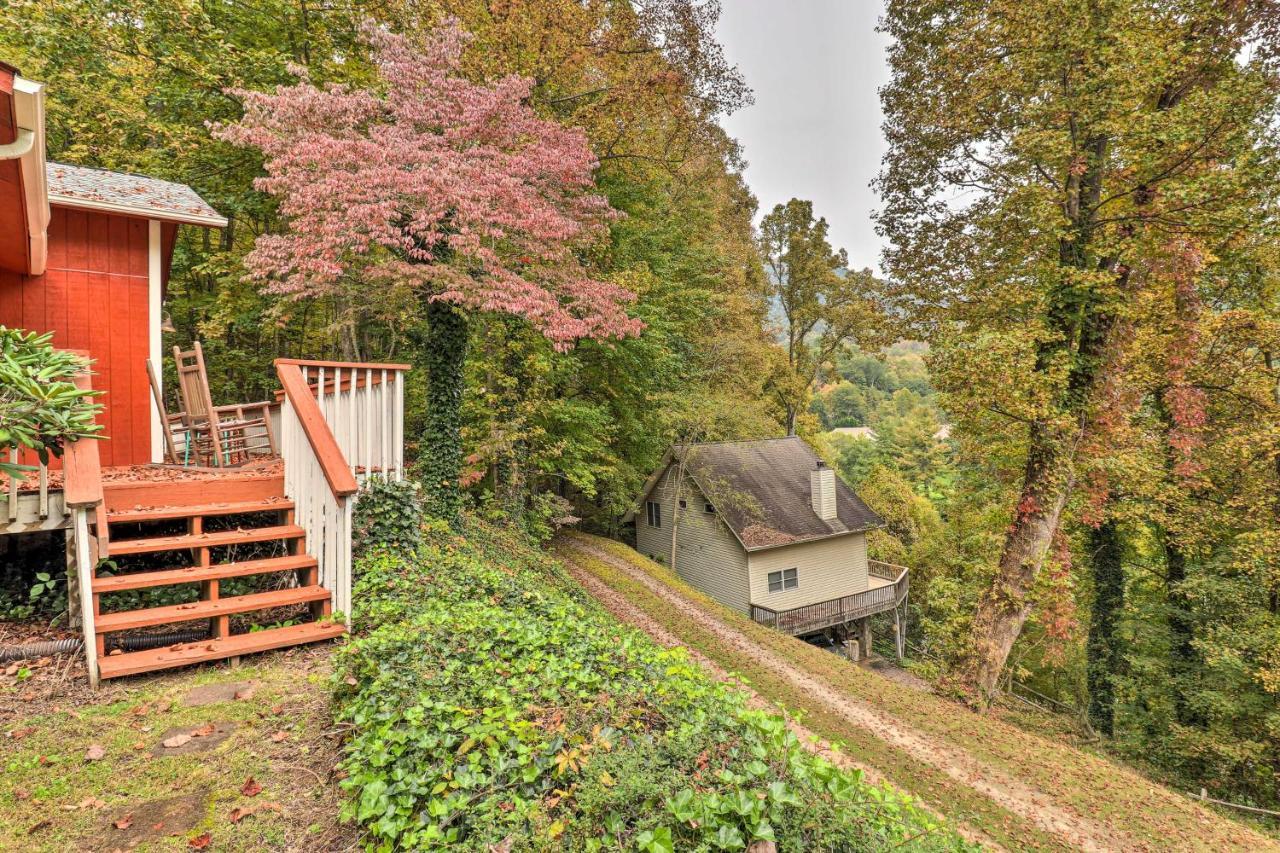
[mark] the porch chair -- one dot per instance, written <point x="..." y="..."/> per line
<point x="174" y="425"/>
<point x="219" y="435"/>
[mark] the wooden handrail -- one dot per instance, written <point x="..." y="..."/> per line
<point x="330" y="384"/>
<point x="81" y="467"/>
<point x="334" y="465"/>
<point x="362" y="365"/>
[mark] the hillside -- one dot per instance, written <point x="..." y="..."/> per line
<point x="1006" y="786"/>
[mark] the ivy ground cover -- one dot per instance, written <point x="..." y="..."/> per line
<point x="492" y="705"/>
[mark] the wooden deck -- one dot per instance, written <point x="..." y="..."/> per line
<point x="887" y="588"/>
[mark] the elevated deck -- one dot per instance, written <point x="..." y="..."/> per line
<point x="887" y="588"/>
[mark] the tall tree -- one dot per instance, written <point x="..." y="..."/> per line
<point x="1047" y="159"/>
<point x="453" y="190"/>
<point x="822" y="303"/>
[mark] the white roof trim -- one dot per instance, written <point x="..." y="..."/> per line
<point x="143" y="211"/>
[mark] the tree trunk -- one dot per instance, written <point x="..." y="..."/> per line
<point x="1105" y="549"/>
<point x="1005" y="605"/>
<point x="1085" y="324"/>
<point x="1182" y="654"/>
<point x="440" y="454"/>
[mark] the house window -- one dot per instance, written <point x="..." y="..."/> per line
<point x="785" y="579"/>
<point x="654" y="510"/>
<point x="683" y="503"/>
<point x="709" y="508"/>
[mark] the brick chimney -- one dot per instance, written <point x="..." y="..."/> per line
<point x="822" y="491"/>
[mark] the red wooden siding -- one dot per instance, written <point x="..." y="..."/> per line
<point x="94" y="296"/>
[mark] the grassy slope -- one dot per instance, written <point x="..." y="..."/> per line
<point x="46" y="775"/>
<point x="1091" y="785"/>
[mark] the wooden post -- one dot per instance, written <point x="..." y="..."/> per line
<point x="899" y="633"/>
<point x="864" y="635"/>
<point x="73" y="582"/>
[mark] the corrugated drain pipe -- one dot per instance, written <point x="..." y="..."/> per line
<point x="73" y="645"/>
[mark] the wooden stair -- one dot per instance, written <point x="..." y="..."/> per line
<point x="123" y="538"/>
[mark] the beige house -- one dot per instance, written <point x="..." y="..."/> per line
<point x="765" y="527"/>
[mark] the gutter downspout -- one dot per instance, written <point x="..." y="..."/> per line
<point x="28" y="150"/>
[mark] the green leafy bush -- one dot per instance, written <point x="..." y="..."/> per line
<point x="388" y="515"/>
<point x="40" y="406"/>
<point x="492" y="703"/>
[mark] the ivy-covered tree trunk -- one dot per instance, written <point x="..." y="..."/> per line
<point x="1183" y="663"/>
<point x="1005" y="605"/>
<point x="1084" y="324"/>
<point x="1105" y="549"/>
<point x="440" y="452"/>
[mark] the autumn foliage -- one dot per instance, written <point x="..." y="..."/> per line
<point x="432" y="182"/>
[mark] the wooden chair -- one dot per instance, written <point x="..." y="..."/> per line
<point x="174" y="425"/>
<point x="219" y="435"/>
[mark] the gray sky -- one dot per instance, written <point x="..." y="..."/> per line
<point x="814" y="131"/>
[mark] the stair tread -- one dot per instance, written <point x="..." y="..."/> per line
<point x="181" y="654"/>
<point x="191" y="574"/>
<point x="160" y="513"/>
<point x="126" y="619"/>
<point x="121" y="547"/>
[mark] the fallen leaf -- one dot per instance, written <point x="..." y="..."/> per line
<point x="11" y="669"/>
<point x="251" y="788"/>
<point x="177" y="741"/>
<point x="246" y="693"/>
<point x="44" y="824"/>
<point x="124" y="822"/>
<point x="164" y="706"/>
<point x="139" y="745"/>
<point x="279" y="736"/>
<point x="277" y="709"/>
<point x="200" y="841"/>
<point x="21" y="794"/>
<point x="19" y="734"/>
<point x="204" y="731"/>
<point x="95" y="752"/>
<point x="91" y="803"/>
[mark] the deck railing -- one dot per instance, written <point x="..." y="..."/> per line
<point x="835" y="611"/>
<point x="340" y="422"/>
<point x="13" y="489"/>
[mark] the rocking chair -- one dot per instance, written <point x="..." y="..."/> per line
<point x="219" y="435"/>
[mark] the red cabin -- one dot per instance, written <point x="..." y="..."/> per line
<point x="84" y="253"/>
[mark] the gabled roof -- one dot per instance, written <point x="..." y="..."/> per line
<point x="761" y="490"/>
<point x="131" y="195"/>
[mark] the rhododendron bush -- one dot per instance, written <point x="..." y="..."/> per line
<point x="429" y="183"/>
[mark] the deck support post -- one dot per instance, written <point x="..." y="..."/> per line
<point x="73" y="583"/>
<point x="899" y="633"/>
<point x="864" y="635"/>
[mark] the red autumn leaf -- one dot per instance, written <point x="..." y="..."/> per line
<point x="251" y="788"/>
<point x="204" y="731"/>
<point x="125" y="822"/>
<point x="199" y="842"/>
<point x="279" y="736"/>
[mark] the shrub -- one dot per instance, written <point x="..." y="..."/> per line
<point x="40" y="406"/>
<point x="388" y="515"/>
<point x="492" y="703"/>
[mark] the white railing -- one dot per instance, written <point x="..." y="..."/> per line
<point x="340" y="423"/>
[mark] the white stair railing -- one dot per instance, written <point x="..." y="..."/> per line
<point x="340" y="423"/>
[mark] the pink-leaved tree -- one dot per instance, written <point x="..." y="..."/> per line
<point x="430" y="181"/>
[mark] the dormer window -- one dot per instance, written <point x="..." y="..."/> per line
<point x="709" y="509"/>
